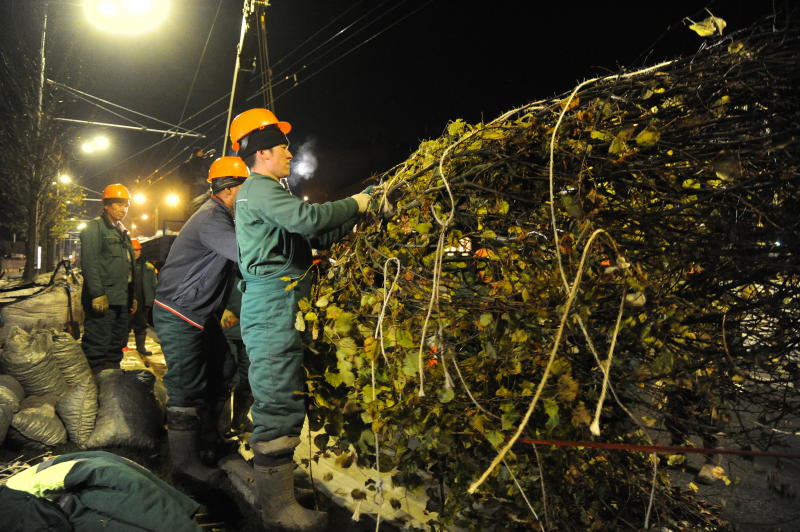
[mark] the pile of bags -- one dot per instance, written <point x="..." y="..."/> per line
<point x="49" y="395"/>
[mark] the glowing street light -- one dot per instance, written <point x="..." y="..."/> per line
<point x="96" y="144"/>
<point x="64" y="179"/>
<point x="126" y="17"/>
<point x="172" y="199"/>
<point x="144" y="217"/>
<point x="139" y="198"/>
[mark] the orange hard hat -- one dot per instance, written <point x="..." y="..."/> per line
<point x="253" y="119"/>
<point x="136" y="244"/>
<point x="116" y="191"/>
<point x="228" y="167"/>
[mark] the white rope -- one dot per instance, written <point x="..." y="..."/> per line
<point x="556" y="343"/>
<point x="378" y="335"/>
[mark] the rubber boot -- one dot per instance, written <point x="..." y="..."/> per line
<point x="183" y="435"/>
<point x="279" y="508"/>
<point x="140" y="343"/>
<point x="213" y="429"/>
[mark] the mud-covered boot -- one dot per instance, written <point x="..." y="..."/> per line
<point x="140" y="343"/>
<point x="183" y="435"/>
<point x="274" y="472"/>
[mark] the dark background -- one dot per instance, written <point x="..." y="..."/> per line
<point x="362" y="82"/>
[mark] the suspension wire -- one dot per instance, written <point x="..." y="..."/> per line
<point x="298" y="47"/>
<point x="339" y="33"/>
<point x="214" y="139"/>
<point x="109" y="110"/>
<point x="77" y="91"/>
<point x="263" y="57"/>
<point x="259" y="92"/>
<point x="342" y="56"/>
<point x="197" y="70"/>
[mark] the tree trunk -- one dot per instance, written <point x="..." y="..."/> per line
<point x="32" y="241"/>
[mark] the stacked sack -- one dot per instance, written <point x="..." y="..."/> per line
<point x="47" y="389"/>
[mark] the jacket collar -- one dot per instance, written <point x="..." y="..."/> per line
<point x="221" y="204"/>
<point x="111" y="225"/>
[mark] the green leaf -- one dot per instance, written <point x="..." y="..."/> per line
<point x="343" y="323"/>
<point x="411" y="364"/>
<point x="551" y="409"/>
<point x="346" y="371"/>
<point x="495" y="438"/>
<point x="519" y="336"/>
<point x="346" y="347"/>
<point x="446" y="394"/>
<point x="423" y="228"/>
<point x="509" y="419"/>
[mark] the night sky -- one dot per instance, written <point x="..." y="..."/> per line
<point x="362" y="82"/>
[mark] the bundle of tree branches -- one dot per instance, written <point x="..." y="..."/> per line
<point x="617" y="264"/>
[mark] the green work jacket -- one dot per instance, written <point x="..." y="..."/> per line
<point x="107" y="262"/>
<point x="145" y="289"/>
<point x="276" y="231"/>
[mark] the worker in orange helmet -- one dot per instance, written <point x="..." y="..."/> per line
<point x="145" y="291"/>
<point x="276" y="233"/>
<point x="192" y="287"/>
<point x="108" y="281"/>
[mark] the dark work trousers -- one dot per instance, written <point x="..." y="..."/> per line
<point x="195" y="360"/>
<point x="138" y="320"/>
<point x="104" y="335"/>
<point x="238" y="364"/>
<point x="275" y="350"/>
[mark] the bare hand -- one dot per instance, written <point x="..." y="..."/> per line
<point x="134" y="306"/>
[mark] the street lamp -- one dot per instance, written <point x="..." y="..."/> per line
<point x="126" y="17"/>
<point x="98" y="143"/>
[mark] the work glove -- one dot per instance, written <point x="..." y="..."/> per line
<point x="228" y="319"/>
<point x="362" y="200"/>
<point x="100" y="304"/>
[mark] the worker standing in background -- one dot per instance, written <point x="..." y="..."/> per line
<point x="276" y="232"/>
<point x="108" y="281"/>
<point x="192" y="286"/>
<point x="144" y="292"/>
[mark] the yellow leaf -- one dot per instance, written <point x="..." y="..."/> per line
<point x="649" y="421"/>
<point x="299" y="323"/>
<point x="694" y="487"/>
<point x="648" y="137"/>
<point x="568" y="104"/>
<point x="709" y="26"/>
<point x="676" y="459"/>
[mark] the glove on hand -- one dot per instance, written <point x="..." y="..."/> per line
<point x="362" y="200"/>
<point x="100" y="304"/>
